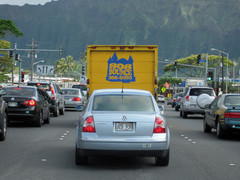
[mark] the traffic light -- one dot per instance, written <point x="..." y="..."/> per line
<point x="175" y="65"/>
<point x="83" y="70"/>
<point x="10" y="54"/>
<point x="17" y="56"/>
<point x="210" y="76"/>
<point x="22" y="77"/>
<point x="61" y="51"/>
<point x="198" y="58"/>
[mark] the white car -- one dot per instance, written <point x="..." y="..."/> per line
<point x="195" y="99"/>
<point x="161" y="98"/>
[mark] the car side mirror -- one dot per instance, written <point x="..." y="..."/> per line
<point x="3" y="92"/>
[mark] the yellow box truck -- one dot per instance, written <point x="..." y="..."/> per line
<point x="122" y="66"/>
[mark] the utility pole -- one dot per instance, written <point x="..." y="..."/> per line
<point x="33" y="53"/>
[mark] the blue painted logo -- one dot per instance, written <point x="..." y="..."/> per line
<point x="120" y="70"/>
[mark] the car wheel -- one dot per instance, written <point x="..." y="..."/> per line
<point x="56" y="112"/>
<point x="220" y="132"/>
<point x="206" y="127"/>
<point x="3" y="128"/>
<point x="162" y="160"/>
<point x="39" y="120"/>
<point x="61" y="111"/>
<point x="47" y="121"/>
<point x="184" y="114"/>
<point x="80" y="159"/>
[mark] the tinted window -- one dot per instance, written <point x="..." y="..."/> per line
<point x="45" y="87"/>
<point x="70" y="92"/>
<point x="82" y="87"/>
<point x="123" y="103"/>
<point x="19" y="91"/>
<point x="232" y="100"/>
<point x="199" y="91"/>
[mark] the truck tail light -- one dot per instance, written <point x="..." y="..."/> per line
<point x="31" y="102"/>
<point x="89" y="125"/>
<point x="187" y="98"/>
<point x="76" y="99"/>
<point x="159" y="125"/>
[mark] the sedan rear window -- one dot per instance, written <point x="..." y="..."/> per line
<point x="70" y="92"/>
<point x="199" y="91"/>
<point x="45" y="87"/>
<point x="82" y="87"/>
<point x="232" y="101"/>
<point x="18" y="91"/>
<point x="122" y="103"/>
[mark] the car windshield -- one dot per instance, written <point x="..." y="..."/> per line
<point x="70" y="92"/>
<point x="122" y="103"/>
<point x="19" y="91"/>
<point x="232" y="101"/>
<point x="82" y="87"/>
<point x="199" y="91"/>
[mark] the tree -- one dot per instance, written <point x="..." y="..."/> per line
<point x="213" y="61"/>
<point x="6" y="63"/>
<point x="8" y="26"/>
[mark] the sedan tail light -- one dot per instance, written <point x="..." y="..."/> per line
<point x="159" y="125"/>
<point x="76" y="99"/>
<point x="187" y="98"/>
<point x="89" y="125"/>
<point x="232" y="114"/>
<point x="31" y="102"/>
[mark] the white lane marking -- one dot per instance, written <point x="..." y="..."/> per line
<point x="232" y="164"/>
<point x="44" y="160"/>
<point x="61" y="139"/>
<point x="65" y="134"/>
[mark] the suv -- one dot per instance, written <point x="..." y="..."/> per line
<point x="54" y="91"/>
<point x="195" y="99"/>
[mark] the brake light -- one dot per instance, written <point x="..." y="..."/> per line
<point x="179" y="100"/>
<point x="89" y="125"/>
<point x="159" y="125"/>
<point x="53" y="94"/>
<point x="31" y="102"/>
<point x="187" y="98"/>
<point x="76" y="99"/>
<point x="232" y="114"/>
<point x="174" y="100"/>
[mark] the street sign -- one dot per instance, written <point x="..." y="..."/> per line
<point x="163" y="89"/>
<point x="45" y="70"/>
<point x="202" y="61"/>
<point x="1" y="55"/>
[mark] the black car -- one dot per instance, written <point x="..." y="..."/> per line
<point x="3" y="117"/>
<point x="26" y="103"/>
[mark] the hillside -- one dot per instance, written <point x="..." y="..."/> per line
<point x="179" y="28"/>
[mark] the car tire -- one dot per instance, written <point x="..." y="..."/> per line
<point x="47" y="121"/>
<point x="39" y="120"/>
<point x="80" y="159"/>
<point x="62" y="111"/>
<point x="184" y="115"/>
<point x="3" y="127"/>
<point x="163" y="160"/>
<point x="206" y="127"/>
<point x="56" y="112"/>
<point x="220" y="132"/>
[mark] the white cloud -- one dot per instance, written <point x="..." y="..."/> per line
<point x="22" y="2"/>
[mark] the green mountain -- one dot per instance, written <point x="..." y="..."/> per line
<point x="179" y="28"/>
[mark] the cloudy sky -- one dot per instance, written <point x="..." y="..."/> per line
<point x="22" y="2"/>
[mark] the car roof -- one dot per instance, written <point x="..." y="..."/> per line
<point x="33" y="87"/>
<point x="118" y="91"/>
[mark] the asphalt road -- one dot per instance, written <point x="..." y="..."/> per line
<point x="48" y="153"/>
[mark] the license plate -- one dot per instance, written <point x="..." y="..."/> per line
<point x="12" y="104"/>
<point x="124" y="126"/>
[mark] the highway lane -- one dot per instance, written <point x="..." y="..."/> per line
<point x="48" y="153"/>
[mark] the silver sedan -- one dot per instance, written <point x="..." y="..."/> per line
<point x="122" y="122"/>
<point x="73" y="97"/>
